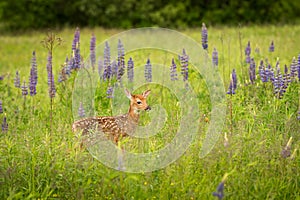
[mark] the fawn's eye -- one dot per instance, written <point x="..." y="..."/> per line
<point x="139" y="102"/>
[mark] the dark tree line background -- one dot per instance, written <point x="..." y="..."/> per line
<point x="32" y="14"/>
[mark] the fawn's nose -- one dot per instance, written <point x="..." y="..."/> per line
<point x="148" y="108"/>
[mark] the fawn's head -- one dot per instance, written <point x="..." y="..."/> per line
<point x="138" y="101"/>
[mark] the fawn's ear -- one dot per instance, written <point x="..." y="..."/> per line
<point x="146" y="93"/>
<point x="128" y="94"/>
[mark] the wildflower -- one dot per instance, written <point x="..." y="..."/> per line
<point x="148" y="71"/>
<point x="107" y="65"/>
<point x="293" y="69"/>
<point x="272" y="47"/>
<point x="1" y="77"/>
<point x="270" y="73"/>
<point x="1" y="108"/>
<point x="298" y="67"/>
<point x="32" y="83"/>
<point x="184" y="62"/>
<point x="252" y="74"/>
<point x="4" y="125"/>
<point x="100" y="68"/>
<point x="262" y="72"/>
<point x="76" y="39"/>
<point x="286" y="151"/>
<point x="204" y="37"/>
<point x="67" y="66"/>
<point x="114" y="67"/>
<point x="220" y="191"/>
<point x="109" y="92"/>
<point x="215" y="59"/>
<point x="130" y="70"/>
<point x="233" y="83"/>
<point x="248" y="52"/>
<point x="51" y="84"/>
<point x="24" y="89"/>
<point x="17" y="80"/>
<point x="298" y="116"/>
<point x="34" y="68"/>
<point x="121" y="60"/>
<point x="173" y="71"/>
<point x="81" y="111"/>
<point x="93" y="51"/>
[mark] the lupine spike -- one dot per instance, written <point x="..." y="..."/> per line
<point x="121" y="60"/>
<point x="148" y="71"/>
<point x="81" y="111"/>
<point x="233" y="83"/>
<point x="1" y="108"/>
<point x="4" y="125"/>
<point x="220" y="191"/>
<point x="248" y="52"/>
<point x="17" y="80"/>
<point x="184" y="62"/>
<point x="293" y="69"/>
<point x="51" y="84"/>
<point x="93" y="51"/>
<point x="109" y="92"/>
<point x="252" y="71"/>
<point x="262" y="72"/>
<point x="173" y="71"/>
<point x="215" y="58"/>
<point x="272" y="47"/>
<point x="130" y="70"/>
<point x="107" y="65"/>
<point x="298" y="66"/>
<point x="204" y="37"/>
<point x="24" y="89"/>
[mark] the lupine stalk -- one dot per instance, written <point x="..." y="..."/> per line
<point x="24" y="90"/>
<point x="298" y="67"/>
<point x="130" y="70"/>
<point x="293" y="69"/>
<point x="215" y="58"/>
<point x="109" y="92"/>
<point x="220" y="191"/>
<point x="81" y="111"/>
<point x="121" y="60"/>
<point x="204" y="37"/>
<point x="173" y="71"/>
<point x="272" y="47"/>
<point x="184" y="62"/>
<point x="262" y="72"/>
<point x="148" y="71"/>
<point x="93" y="51"/>
<point x="33" y="75"/>
<point x="4" y="125"/>
<point x="51" y="84"/>
<point x="248" y="52"/>
<point x="17" y="80"/>
<point x="107" y="65"/>
<point x="233" y="83"/>
<point x="1" y="108"/>
<point x="252" y="71"/>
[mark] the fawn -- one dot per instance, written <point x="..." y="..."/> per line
<point x="115" y="126"/>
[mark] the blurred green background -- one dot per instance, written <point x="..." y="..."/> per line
<point x="33" y="14"/>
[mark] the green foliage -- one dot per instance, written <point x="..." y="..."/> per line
<point x="32" y="14"/>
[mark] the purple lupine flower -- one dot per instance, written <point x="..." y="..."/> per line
<point x="32" y="82"/>
<point x="17" y="80"/>
<point x="121" y="59"/>
<point x="110" y="92"/>
<point x="215" y="58"/>
<point x="67" y="67"/>
<point x="248" y="52"/>
<point x="93" y="51"/>
<point x="130" y="70"/>
<point x="107" y="65"/>
<point x="220" y="191"/>
<point x="184" y="62"/>
<point x="100" y="68"/>
<point x="1" y="108"/>
<point x="34" y="68"/>
<point x="262" y="72"/>
<point x="233" y="83"/>
<point x="148" y="71"/>
<point x="4" y="125"/>
<point x="298" y="116"/>
<point x="114" y="68"/>
<point x="24" y="89"/>
<point x="278" y="83"/>
<point x="51" y="84"/>
<point x="77" y="58"/>
<point x="204" y="37"/>
<point x="81" y="111"/>
<point x="252" y="70"/>
<point x="270" y="73"/>
<point x="293" y="69"/>
<point x="298" y="67"/>
<point x="76" y="39"/>
<point x="272" y="47"/>
<point x="1" y="77"/>
<point x="173" y="71"/>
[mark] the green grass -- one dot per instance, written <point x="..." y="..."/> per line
<point x="39" y="163"/>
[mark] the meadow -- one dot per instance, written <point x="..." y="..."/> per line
<point x="256" y="156"/>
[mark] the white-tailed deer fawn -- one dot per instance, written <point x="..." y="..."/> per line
<point x="116" y="126"/>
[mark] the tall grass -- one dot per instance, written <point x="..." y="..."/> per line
<point x="42" y="162"/>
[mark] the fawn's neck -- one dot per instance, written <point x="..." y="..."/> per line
<point x="133" y="114"/>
